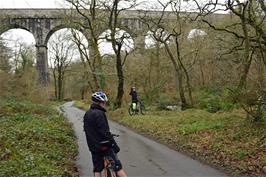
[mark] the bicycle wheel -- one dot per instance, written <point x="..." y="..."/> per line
<point x="108" y="173"/>
<point x="130" y="110"/>
<point x="142" y="109"/>
<point x="109" y="169"/>
<point x="112" y="173"/>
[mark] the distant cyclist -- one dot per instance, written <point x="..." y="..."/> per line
<point x="134" y="97"/>
<point x="97" y="130"/>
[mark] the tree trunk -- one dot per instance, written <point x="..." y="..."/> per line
<point x="181" y="65"/>
<point x="184" y="104"/>
<point x="260" y="71"/>
<point x="63" y="85"/>
<point x="98" y="75"/>
<point x="55" y="84"/>
<point x="179" y="77"/>
<point x="157" y="60"/>
<point x="120" y="76"/>
<point x="202" y="73"/>
<point x="149" y="71"/>
<point x="59" y="85"/>
<point x="247" y="56"/>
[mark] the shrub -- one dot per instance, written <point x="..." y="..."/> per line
<point x="215" y="100"/>
<point x="163" y="102"/>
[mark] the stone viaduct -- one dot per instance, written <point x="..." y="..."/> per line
<point x="42" y="23"/>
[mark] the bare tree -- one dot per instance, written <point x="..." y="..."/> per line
<point x="27" y="55"/>
<point x="114" y="9"/>
<point x="21" y="57"/>
<point x="5" y="55"/>
<point x="166" y="33"/>
<point x="89" y="69"/>
<point x="87" y="18"/>
<point x="246" y="24"/>
<point x="61" y="49"/>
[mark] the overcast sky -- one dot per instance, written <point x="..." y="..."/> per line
<point x="31" y="3"/>
<point x="60" y="3"/>
<point x="42" y="3"/>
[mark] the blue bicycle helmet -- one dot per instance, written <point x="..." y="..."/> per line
<point x="99" y="97"/>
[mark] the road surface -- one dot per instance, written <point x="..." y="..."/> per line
<point x="140" y="156"/>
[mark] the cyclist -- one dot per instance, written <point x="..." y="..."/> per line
<point x="134" y="97"/>
<point x="97" y="130"/>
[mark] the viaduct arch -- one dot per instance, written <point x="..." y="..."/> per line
<point x="42" y="23"/>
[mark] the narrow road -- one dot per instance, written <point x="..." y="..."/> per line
<point x="140" y="156"/>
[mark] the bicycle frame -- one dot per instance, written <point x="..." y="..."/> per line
<point x="109" y="163"/>
<point x="140" y="109"/>
<point x="109" y="167"/>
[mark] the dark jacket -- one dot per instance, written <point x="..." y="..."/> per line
<point x="96" y="127"/>
<point x="134" y="96"/>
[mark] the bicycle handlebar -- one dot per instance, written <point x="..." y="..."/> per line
<point x="115" y="135"/>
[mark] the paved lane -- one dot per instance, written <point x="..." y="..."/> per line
<point x="140" y="156"/>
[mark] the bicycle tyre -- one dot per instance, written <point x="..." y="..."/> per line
<point x="109" y="173"/>
<point x="130" y="110"/>
<point x="112" y="173"/>
<point x="142" y="109"/>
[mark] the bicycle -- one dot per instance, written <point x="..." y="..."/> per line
<point x="109" y="167"/>
<point x="109" y="163"/>
<point x="139" y="108"/>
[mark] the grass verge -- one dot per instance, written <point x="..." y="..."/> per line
<point x="35" y="140"/>
<point x="226" y="140"/>
<point x="82" y="105"/>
